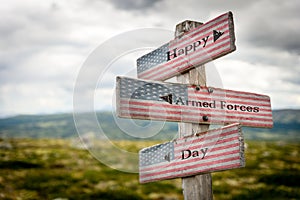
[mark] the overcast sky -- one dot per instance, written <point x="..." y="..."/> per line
<point x="45" y="45"/>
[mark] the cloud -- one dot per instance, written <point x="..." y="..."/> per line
<point x="31" y="98"/>
<point x="276" y="27"/>
<point x="139" y="5"/>
<point x="44" y="45"/>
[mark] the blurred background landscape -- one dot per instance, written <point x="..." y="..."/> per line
<point x="286" y="127"/>
<point x="46" y="48"/>
<point x="42" y="157"/>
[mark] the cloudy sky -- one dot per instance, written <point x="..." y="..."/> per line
<point x="46" y="45"/>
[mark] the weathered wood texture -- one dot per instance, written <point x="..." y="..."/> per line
<point x="199" y="186"/>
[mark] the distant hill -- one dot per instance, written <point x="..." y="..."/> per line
<point x="286" y="127"/>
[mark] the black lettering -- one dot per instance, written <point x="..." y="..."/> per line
<point x="205" y="40"/>
<point x="180" y="52"/>
<point x="195" y="154"/>
<point x="183" y="154"/>
<point x="229" y="107"/>
<point x="204" y="151"/>
<point x="256" y="109"/>
<point x="188" y="48"/>
<point x="195" y="103"/>
<point x="179" y="100"/>
<point x="196" y="44"/>
<point x="205" y="104"/>
<point x="236" y="107"/>
<point x="213" y="105"/>
<point x="169" y="54"/>
<point x="188" y="102"/>
<point x="249" y="109"/>
<point x="223" y="104"/>
<point x="243" y="108"/>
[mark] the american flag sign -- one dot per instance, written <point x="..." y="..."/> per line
<point x="215" y="150"/>
<point x="153" y="100"/>
<point x="198" y="46"/>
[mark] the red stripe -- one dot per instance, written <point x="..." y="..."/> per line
<point x="212" y="169"/>
<point x="191" y="166"/>
<point x="218" y="92"/>
<point x="183" y="115"/>
<point x="203" y="138"/>
<point x="264" y="122"/>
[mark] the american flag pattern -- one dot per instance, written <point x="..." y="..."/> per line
<point x="224" y="150"/>
<point x="156" y="65"/>
<point x="157" y="154"/>
<point x="152" y="59"/>
<point x="143" y="99"/>
<point x="150" y="91"/>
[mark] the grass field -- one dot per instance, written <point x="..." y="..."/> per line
<point x="55" y="169"/>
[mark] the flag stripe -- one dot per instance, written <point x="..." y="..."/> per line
<point x="191" y="114"/>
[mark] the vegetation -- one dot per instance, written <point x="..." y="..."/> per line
<point x="57" y="169"/>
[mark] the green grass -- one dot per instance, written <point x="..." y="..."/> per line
<point x="53" y="168"/>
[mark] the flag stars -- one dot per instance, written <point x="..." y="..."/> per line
<point x="153" y="58"/>
<point x="141" y="90"/>
<point x="156" y="154"/>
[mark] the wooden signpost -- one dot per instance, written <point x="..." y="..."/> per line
<point x="150" y="100"/>
<point x="198" y="151"/>
<point x="196" y="47"/>
<point x="214" y="150"/>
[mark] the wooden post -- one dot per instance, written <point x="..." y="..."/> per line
<point x="197" y="187"/>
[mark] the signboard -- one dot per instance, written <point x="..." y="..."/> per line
<point x="214" y="150"/>
<point x="196" y="47"/>
<point x="141" y="99"/>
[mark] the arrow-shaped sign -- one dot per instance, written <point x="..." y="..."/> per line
<point x="141" y="99"/>
<point x="215" y="150"/>
<point x="198" y="46"/>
